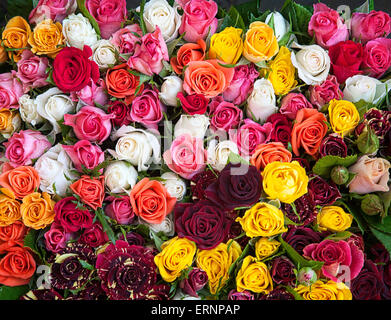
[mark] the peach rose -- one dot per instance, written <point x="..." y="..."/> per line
<point x="187" y="53"/>
<point x="91" y="190"/>
<point x="269" y="152"/>
<point x="9" y="208"/>
<point x="37" y="210"/>
<point x="21" y="181"/>
<point x="372" y="175"/>
<point x="207" y="78"/>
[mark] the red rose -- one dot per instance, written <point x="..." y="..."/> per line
<point x="193" y="103"/>
<point x="121" y="113"/>
<point x="94" y="236"/>
<point x="282" y="128"/>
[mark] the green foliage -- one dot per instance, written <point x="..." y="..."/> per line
<point x="13" y="293"/>
<point x="233" y="19"/>
<point x="82" y="7"/>
<point x="324" y="165"/>
<point x="19" y="8"/>
<point x="104" y="220"/>
<point x="248" y="9"/>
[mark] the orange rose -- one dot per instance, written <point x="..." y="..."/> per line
<point x="151" y="201"/>
<point x="47" y="38"/>
<point x="91" y="190"/>
<point x="3" y="54"/>
<point x="308" y="131"/>
<point x="9" y="208"/>
<point x="269" y="152"/>
<point x="37" y="210"/>
<point x="187" y="53"/>
<point x="13" y="233"/>
<point x="15" y="36"/>
<point x="21" y="181"/>
<point x="207" y="78"/>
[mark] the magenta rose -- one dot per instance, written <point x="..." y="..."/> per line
<point x="120" y="209"/>
<point x="121" y="113"/>
<point x="90" y="123"/>
<point x="186" y="156"/>
<point x="325" y="92"/>
<point x="224" y="115"/>
<point x="377" y="57"/>
<point x="11" y="89"/>
<point x="282" y="128"/>
<point x="336" y="254"/>
<point x="94" y="236"/>
<point x="24" y="146"/>
<point x="199" y="18"/>
<point x="327" y="25"/>
<point x="292" y="103"/>
<point x="192" y="104"/>
<point x="109" y="14"/>
<point x="370" y="26"/>
<point x="83" y="153"/>
<point x="241" y="84"/>
<point x="195" y="281"/>
<point x="32" y="70"/>
<point x="243" y="295"/>
<point x="56" y="238"/>
<point x="149" y="53"/>
<point x="125" y="39"/>
<point x="57" y="10"/>
<point x="93" y="92"/>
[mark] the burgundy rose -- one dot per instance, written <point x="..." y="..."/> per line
<point x="194" y="282"/>
<point x="368" y="285"/>
<point x="243" y="295"/>
<point x="333" y="145"/>
<point x="194" y="103"/>
<point x="224" y="115"/>
<point x="277" y="294"/>
<point x="121" y="113"/>
<point x="235" y="231"/>
<point x="378" y="121"/>
<point x="323" y="193"/>
<point x="199" y="183"/>
<point x="357" y="240"/>
<point x="379" y="253"/>
<point x="133" y="238"/>
<point x="386" y="273"/>
<point x="282" y="271"/>
<point x="303" y="162"/>
<point x="158" y="292"/>
<point x="42" y="294"/>
<point x="306" y="211"/>
<point x="323" y="93"/>
<point x="300" y="237"/>
<point x="94" y="236"/>
<point x="92" y="291"/>
<point x="120" y="209"/>
<point x="282" y="128"/>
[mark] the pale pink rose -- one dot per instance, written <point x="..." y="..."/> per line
<point x="182" y="3"/>
<point x="24" y="146"/>
<point x="57" y="10"/>
<point x="125" y="39"/>
<point x="109" y="14"/>
<point x="32" y="70"/>
<point x="84" y="153"/>
<point x="292" y="103"/>
<point x="241" y="84"/>
<point x="372" y="175"/>
<point x="325" y="92"/>
<point x="92" y="93"/>
<point x="224" y="115"/>
<point x="120" y="209"/>
<point x="377" y="57"/>
<point x="56" y="238"/>
<point x="199" y="19"/>
<point x="149" y="54"/>
<point x="11" y="89"/>
<point x="90" y="123"/>
<point x="370" y="26"/>
<point x="328" y="26"/>
<point x="186" y="156"/>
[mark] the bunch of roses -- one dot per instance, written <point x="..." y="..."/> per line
<point x="168" y="154"/>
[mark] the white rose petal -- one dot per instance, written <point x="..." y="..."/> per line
<point x="104" y="54"/>
<point x="167" y="226"/>
<point x="28" y="110"/>
<point x="171" y="86"/>
<point x="78" y="31"/>
<point x="218" y="153"/>
<point x="175" y="186"/>
<point x="120" y="176"/>
<point x="280" y="25"/>
<point x="195" y="125"/>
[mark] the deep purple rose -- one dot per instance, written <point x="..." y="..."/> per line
<point x="282" y="128"/>
<point x="282" y="271"/>
<point x="333" y="145"/>
<point x="322" y="192"/>
<point x="236" y="295"/>
<point x="300" y="237"/>
<point x="277" y="294"/>
<point x="194" y="282"/>
<point x="368" y="285"/>
<point x="305" y="210"/>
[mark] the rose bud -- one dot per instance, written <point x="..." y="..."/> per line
<point x="171" y="86"/>
<point x="306" y="276"/>
<point x="194" y="282"/>
<point x="372" y="205"/>
<point x="339" y="175"/>
<point x="368" y="142"/>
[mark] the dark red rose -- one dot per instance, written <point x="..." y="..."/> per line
<point x="346" y="58"/>
<point x="378" y="121"/>
<point x="73" y="70"/>
<point x="158" y="292"/>
<point x="303" y="162"/>
<point x="92" y="291"/>
<point x="357" y="240"/>
<point x="333" y="145"/>
<point x="133" y="238"/>
<point x="378" y="253"/>
<point x="195" y="281"/>
<point x="306" y="211"/>
<point x="235" y="231"/>
<point x="42" y="294"/>
<point x="282" y="128"/>
<point x="243" y="295"/>
<point x="282" y="271"/>
<point x="300" y="237"/>
<point x="368" y="285"/>
<point x="94" y="236"/>
<point x="200" y="181"/>
<point x="203" y="222"/>
<point x="323" y="193"/>
<point x="194" y="103"/>
<point x="386" y="273"/>
<point x="238" y="185"/>
<point x="121" y="112"/>
<point x="277" y="294"/>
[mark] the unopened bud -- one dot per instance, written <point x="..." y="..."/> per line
<point x="306" y="276"/>
<point x="372" y="205"/>
<point x="339" y="175"/>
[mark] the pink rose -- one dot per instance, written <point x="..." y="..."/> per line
<point x="149" y="54"/>
<point x="120" y="210"/>
<point x="370" y="26"/>
<point x="186" y="156"/>
<point x="109" y="14"/>
<point x="94" y="236"/>
<point x="224" y="115"/>
<point x="56" y="238"/>
<point x="25" y="146"/>
<point x="11" y="89"/>
<point x="292" y="103"/>
<point x="372" y="175"/>
<point x="249" y="135"/>
<point x="32" y="70"/>
<point x="336" y="254"/>
<point x="377" y="57"/>
<point x="125" y="39"/>
<point x="84" y="153"/>
<point x="241" y="84"/>
<point x="328" y="26"/>
<point x="325" y="92"/>
<point x="57" y="10"/>
<point x="90" y="123"/>
<point x="199" y="19"/>
<point x="147" y="109"/>
<point x="92" y="93"/>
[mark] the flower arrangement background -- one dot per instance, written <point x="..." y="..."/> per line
<point x="182" y="150"/>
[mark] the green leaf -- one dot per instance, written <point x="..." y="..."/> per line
<point x="293" y="292"/>
<point x="13" y="293"/>
<point x="339" y="236"/>
<point x="300" y="17"/>
<point x="235" y="158"/>
<point x="384" y="238"/>
<point x="324" y="165"/>
<point x="106" y="227"/>
<point x="376" y="223"/>
<point x="366" y="7"/>
<point x="355" y="213"/>
<point x="248" y="9"/>
<point x="86" y="265"/>
<point x="157" y="240"/>
<point x="142" y="22"/>
<point x="362" y="107"/>
<point x="82" y="7"/>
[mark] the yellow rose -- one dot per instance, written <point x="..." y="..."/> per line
<point x="9" y="208"/>
<point x="262" y="220"/>
<point x="47" y="38"/>
<point x="37" y="210"/>
<point x="216" y="262"/>
<point x="265" y="247"/>
<point x="344" y="116"/>
<point x="226" y="45"/>
<point x="325" y="291"/>
<point x="334" y="219"/>
<point x="254" y="276"/>
<point x="260" y="43"/>
<point x="285" y="181"/>
<point x="3" y="54"/>
<point x="177" y="254"/>
<point x="9" y="122"/>
<point x="282" y="72"/>
<point x="15" y="36"/>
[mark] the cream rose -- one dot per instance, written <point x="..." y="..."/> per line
<point x="78" y="31"/>
<point x="279" y="25"/>
<point x="167" y="226"/>
<point x="120" y="176"/>
<point x="194" y="125"/>
<point x="261" y="103"/>
<point x="218" y="153"/>
<point x="104" y="54"/>
<point x="175" y="186"/>
<point x="171" y="86"/>
<point x="28" y="110"/>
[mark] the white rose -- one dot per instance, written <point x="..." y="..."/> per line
<point x="175" y="186"/>
<point x="167" y="227"/>
<point x="28" y="110"/>
<point x="171" y="86"/>
<point x="137" y="146"/>
<point x="78" y="31"/>
<point x="158" y="13"/>
<point x="195" y="125"/>
<point x="52" y="105"/>
<point x="104" y="54"/>
<point x="218" y="153"/>
<point x="54" y="168"/>
<point x="120" y="176"/>
<point x="279" y="25"/>
<point x="312" y="63"/>
<point x="261" y="103"/>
